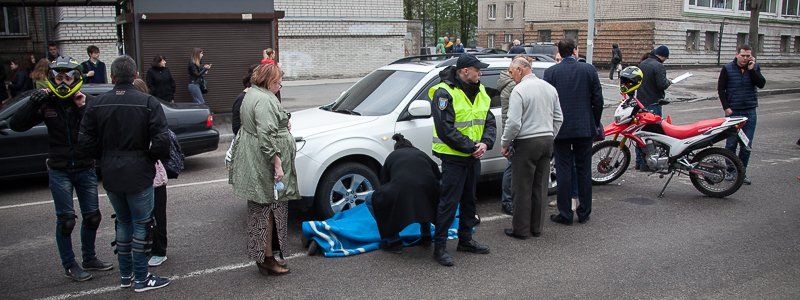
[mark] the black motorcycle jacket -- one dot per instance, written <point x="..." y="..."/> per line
<point x="62" y="118"/>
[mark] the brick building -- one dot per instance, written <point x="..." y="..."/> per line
<point x="500" y="22"/>
<point x="691" y="28"/>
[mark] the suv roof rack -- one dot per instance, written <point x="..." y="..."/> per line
<point x="450" y="59"/>
<point x="429" y="57"/>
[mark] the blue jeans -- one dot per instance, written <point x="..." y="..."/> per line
<point x="506" y="198"/>
<point x="656" y="109"/>
<point x="134" y="216"/>
<point x="197" y="95"/>
<point x="749" y="130"/>
<point x="84" y="183"/>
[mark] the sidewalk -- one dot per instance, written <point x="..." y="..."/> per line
<point x="703" y="85"/>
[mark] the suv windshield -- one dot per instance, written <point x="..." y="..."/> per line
<point x="378" y="93"/>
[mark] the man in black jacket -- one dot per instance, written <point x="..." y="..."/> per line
<point x="61" y="109"/>
<point x="464" y="129"/>
<point x="653" y="88"/>
<point x="581" y="99"/>
<point x="737" y="89"/>
<point x="127" y="131"/>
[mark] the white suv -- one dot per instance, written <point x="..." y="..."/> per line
<point x="342" y="146"/>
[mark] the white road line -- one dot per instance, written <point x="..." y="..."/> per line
<point x="232" y="267"/>
<point x="106" y="195"/>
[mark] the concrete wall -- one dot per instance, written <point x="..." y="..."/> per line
<point x="78" y="27"/>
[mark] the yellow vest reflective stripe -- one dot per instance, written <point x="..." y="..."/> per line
<point x="470" y="117"/>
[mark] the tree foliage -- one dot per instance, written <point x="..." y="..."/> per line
<point x="456" y="18"/>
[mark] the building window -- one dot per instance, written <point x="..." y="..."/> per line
<point x="786" y="42"/>
<point x="760" y="44"/>
<point x="13" y="21"/>
<point x="508" y="38"/>
<point x="790" y="8"/>
<point x="509" y="10"/>
<point x="769" y="6"/>
<point x="692" y="38"/>
<point x="797" y="44"/>
<point x="723" y="4"/>
<point x="490" y="41"/>
<point x="712" y="38"/>
<point x="545" y="35"/>
<point x="742" y="39"/>
<point x="572" y="34"/>
<point x="492" y="12"/>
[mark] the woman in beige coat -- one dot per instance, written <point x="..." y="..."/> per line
<point x="263" y="161"/>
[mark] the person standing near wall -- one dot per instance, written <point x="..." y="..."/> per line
<point x="616" y="60"/>
<point x="93" y="68"/>
<point x="197" y="72"/>
<point x="159" y="79"/>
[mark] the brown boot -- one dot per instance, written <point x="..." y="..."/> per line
<point x="271" y="267"/>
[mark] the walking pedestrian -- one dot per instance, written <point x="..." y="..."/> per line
<point x="464" y="129"/>
<point x="581" y="99"/>
<point x="737" y="87"/>
<point x="653" y="89"/>
<point x="616" y="59"/>
<point x="197" y="79"/>
<point x="61" y="108"/>
<point x="20" y="77"/>
<point x="517" y="48"/>
<point x="159" y="79"/>
<point x="263" y="171"/>
<point x="93" y="68"/>
<point x="269" y="57"/>
<point x="408" y="194"/>
<point x="39" y="74"/>
<point x="458" y="47"/>
<point x="534" y="118"/>
<point x="236" y="120"/>
<point x="126" y="130"/>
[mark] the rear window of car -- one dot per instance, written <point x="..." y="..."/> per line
<point x="378" y="93"/>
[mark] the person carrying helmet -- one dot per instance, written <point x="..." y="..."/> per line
<point x="464" y="129"/>
<point x="61" y="108"/>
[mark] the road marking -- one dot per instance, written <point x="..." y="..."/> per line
<point x="232" y="267"/>
<point x="106" y="195"/>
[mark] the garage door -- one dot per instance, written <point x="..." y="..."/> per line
<point x="231" y="47"/>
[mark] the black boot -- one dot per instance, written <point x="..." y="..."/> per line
<point x="471" y="246"/>
<point x="441" y="256"/>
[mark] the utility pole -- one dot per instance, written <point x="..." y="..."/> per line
<point x="590" y="29"/>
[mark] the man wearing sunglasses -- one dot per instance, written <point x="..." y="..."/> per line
<point x="61" y="108"/>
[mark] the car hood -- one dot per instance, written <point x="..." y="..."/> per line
<point x="312" y="121"/>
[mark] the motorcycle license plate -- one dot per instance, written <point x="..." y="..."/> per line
<point x="743" y="137"/>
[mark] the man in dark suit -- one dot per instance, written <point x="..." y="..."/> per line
<point x="581" y="99"/>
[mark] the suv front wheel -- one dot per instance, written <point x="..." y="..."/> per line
<point x="343" y="187"/>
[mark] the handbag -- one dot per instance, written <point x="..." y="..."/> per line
<point x="202" y="83"/>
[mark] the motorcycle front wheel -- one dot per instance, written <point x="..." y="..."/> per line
<point x="719" y="172"/>
<point x="609" y="161"/>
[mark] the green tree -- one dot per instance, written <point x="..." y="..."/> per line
<point x="456" y="18"/>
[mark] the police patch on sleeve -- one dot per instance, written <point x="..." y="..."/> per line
<point x="442" y="103"/>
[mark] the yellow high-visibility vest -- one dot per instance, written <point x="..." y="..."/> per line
<point x="470" y="117"/>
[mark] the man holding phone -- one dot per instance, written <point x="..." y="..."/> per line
<point x="737" y="91"/>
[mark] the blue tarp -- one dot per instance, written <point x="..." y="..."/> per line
<point x="354" y="231"/>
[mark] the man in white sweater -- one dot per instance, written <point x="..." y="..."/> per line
<point x="534" y="117"/>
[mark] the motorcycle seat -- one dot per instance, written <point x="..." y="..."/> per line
<point x="683" y="132"/>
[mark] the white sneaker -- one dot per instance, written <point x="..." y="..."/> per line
<point x="156" y="261"/>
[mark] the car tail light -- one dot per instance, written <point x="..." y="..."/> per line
<point x="210" y="121"/>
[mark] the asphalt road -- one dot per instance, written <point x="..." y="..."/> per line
<point x="684" y="245"/>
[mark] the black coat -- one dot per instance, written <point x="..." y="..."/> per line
<point x="409" y="191"/>
<point x="236" y="116"/>
<point x="161" y="84"/>
<point x="654" y="83"/>
<point x="127" y="131"/>
<point x="20" y="82"/>
<point x="580" y="95"/>
<point x="62" y="118"/>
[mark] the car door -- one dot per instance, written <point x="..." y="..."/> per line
<point x="493" y="161"/>
<point x="22" y="153"/>
<point x="419" y="130"/>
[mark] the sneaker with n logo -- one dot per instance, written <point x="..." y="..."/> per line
<point x="152" y="282"/>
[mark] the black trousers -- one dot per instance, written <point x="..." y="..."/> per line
<point x="613" y="70"/>
<point x="458" y="187"/>
<point x="160" y="214"/>
<point x="576" y="151"/>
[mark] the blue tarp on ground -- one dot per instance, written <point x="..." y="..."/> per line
<point x="354" y="231"/>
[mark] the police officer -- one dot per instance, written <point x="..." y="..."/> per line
<point x="464" y="129"/>
<point x="61" y="107"/>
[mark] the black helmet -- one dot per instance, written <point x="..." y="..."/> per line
<point x="630" y="79"/>
<point x="67" y="70"/>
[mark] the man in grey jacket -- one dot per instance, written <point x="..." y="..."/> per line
<point x="534" y="118"/>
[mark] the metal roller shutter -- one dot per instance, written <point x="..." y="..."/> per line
<point x="231" y="47"/>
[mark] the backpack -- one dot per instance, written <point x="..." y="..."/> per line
<point x="174" y="165"/>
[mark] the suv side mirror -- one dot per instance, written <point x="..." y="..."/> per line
<point x="3" y="126"/>
<point x="420" y="109"/>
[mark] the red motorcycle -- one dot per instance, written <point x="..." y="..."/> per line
<point x="670" y="149"/>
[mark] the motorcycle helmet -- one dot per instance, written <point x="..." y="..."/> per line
<point x="630" y="79"/>
<point x="64" y="78"/>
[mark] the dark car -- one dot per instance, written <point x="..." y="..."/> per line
<point x="23" y="154"/>
<point x="543" y="48"/>
<point x="485" y="51"/>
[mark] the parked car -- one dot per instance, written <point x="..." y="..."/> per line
<point x="477" y="51"/>
<point x="23" y="154"/>
<point x="544" y="48"/>
<point x="342" y="146"/>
